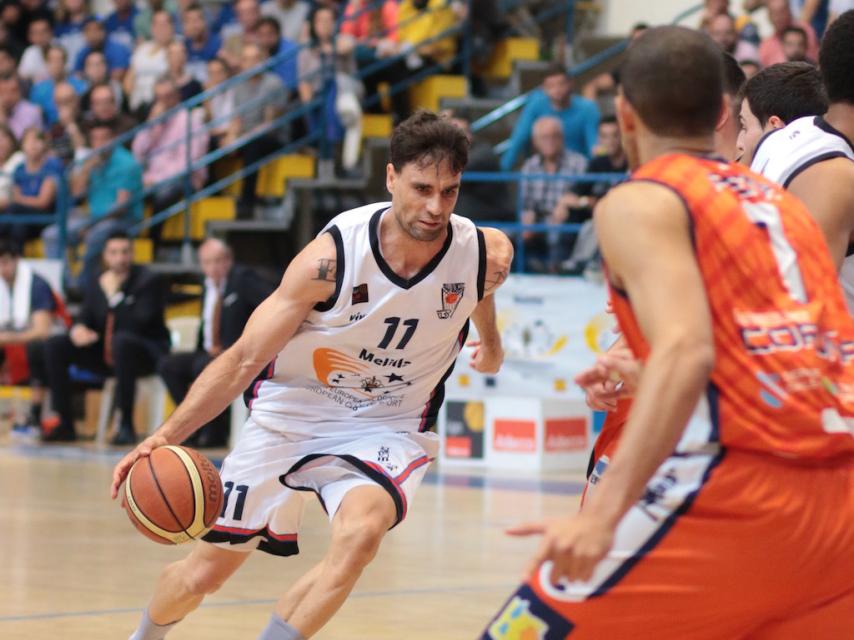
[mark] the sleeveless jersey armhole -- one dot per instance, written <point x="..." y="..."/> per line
<point x="481" y="263"/>
<point x="335" y="232"/>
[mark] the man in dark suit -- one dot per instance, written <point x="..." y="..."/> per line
<point x="120" y="332"/>
<point x="231" y="294"/>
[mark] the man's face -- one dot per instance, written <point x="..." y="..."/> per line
<point x="267" y="38"/>
<point x="779" y="14"/>
<point x="247" y="14"/>
<point x="750" y="133"/>
<point x="94" y="34"/>
<point x="55" y="63"/>
<point x="250" y="57"/>
<point x="194" y="24"/>
<point x="99" y="137"/>
<point x="8" y="266"/>
<point x="95" y="67"/>
<point x="324" y="24"/>
<point x="165" y="94"/>
<point x="423" y="197"/>
<point x="11" y="92"/>
<point x="548" y="139"/>
<point x="103" y="103"/>
<point x="795" y="47"/>
<point x="609" y="138"/>
<point x="117" y="255"/>
<point x="64" y="96"/>
<point x="39" y="33"/>
<point x="558" y="88"/>
<point x="722" y="31"/>
<point x="215" y="261"/>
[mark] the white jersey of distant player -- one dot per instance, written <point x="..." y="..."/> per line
<point x="374" y="357"/>
<point x="785" y="153"/>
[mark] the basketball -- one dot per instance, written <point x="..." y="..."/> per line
<point x="173" y="496"/>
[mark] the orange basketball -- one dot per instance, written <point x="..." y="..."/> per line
<point x="173" y="496"/>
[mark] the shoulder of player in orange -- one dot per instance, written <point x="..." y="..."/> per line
<point x="644" y="232"/>
<point x="827" y="190"/>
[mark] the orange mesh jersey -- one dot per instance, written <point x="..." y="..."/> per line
<point x="783" y="380"/>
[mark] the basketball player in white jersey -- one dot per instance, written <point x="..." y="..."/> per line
<point x="352" y="349"/>
<point x="812" y="156"/>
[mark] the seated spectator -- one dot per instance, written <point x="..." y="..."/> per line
<point x="65" y="136"/>
<point x="579" y="116"/>
<point x="421" y="22"/>
<point x="258" y="101"/>
<point x="148" y="63"/>
<point x="794" y="41"/>
<point x="241" y="32"/>
<point x="71" y="16"/>
<point x="780" y="16"/>
<point x="292" y="16"/>
<point x="35" y="181"/>
<point x="721" y="29"/>
<point x="120" y="331"/>
<point x="232" y="292"/>
<point x="483" y="201"/>
<point x="8" y="62"/>
<point x="111" y="181"/>
<point x="42" y="93"/>
<point x="32" y="10"/>
<point x="33" y="65"/>
<point x="116" y="55"/>
<point x="374" y="26"/>
<point x="220" y="106"/>
<point x="202" y="45"/>
<point x="176" y="57"/>
<point x="162" y="148"/>
<point x="120" y="23"/>
<point x="104" y="107"/>
<point x="269" y="37"/>
<point x="10" y="157"/>
<point x="548" y="200"/>
<point x="27" y="307"/>
<point x="348" y="90"/>
<point x="144" y="14"/>
<point x="18" y="113"/>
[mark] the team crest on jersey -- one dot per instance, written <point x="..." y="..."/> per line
<point x="452" y="293"/>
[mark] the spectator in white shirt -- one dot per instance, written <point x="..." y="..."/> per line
<point x="33" y="66"/>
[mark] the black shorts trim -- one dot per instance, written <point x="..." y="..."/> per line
<point x="271" y="543"/>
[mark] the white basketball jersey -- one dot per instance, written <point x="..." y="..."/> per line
<point x="783" y="154"/>
<point x="375" y="356"/>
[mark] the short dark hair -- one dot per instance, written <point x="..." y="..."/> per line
<point x="794" y="29"/>
<point x="9" y="247"/>
<point x="734" y="76"/>
<point x="673" y="77"/>
<point x="195" y="6"/>
<point x="556" y="69"/>
<point x="428" y="137"/>
<point x="789" y="90"/>
<point x="271" y="22"/>
<point x="836" y="59"/>
<point x="608" y="120"/>
<point x="118" y="234"/>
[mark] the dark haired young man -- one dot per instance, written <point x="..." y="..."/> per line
<point x="348" y="357"/>
<point x="773" y="98"/>
<point x="738" y="453"/>
<point x="812" y="156"/>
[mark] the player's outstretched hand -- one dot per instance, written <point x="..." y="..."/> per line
<point x="573" y="545"/>
<point x="143" y="449"/>
<point x="486" y="358"/>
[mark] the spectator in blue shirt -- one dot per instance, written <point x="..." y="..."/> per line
<point x="117" y="55"/>
<point x="42" y="92"/>
<point x="110" y="181"/>
<point x="579" y="116"/>
<point x="34" y="182"/>
<point x="202" y="46"/>
<point x="71" y="15"/>
<point x="268" y="33"/>
<point x="120" y="23"/>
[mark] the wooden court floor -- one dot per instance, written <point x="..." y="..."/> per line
<point x="73" y="567"/>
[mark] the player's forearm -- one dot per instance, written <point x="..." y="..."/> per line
<point x="673" y="380"/>
<point x="484" y="321"/>
<point x="219" y="384"/>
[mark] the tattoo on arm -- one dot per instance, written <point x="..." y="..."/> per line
<point x="326" y="269"/>
<point x="494" y="281"/>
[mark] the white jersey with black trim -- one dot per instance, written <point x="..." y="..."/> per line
<point x="783" y="154"/>
<point x="374" y="358"/>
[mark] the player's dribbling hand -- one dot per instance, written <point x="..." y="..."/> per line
<point x="143" y="449"/>
<point x="574" y="545"/>
<point x="485" y="358"/>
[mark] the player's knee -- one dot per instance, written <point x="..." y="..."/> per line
<point x="359" y="541"/>
<point x="202" y="580"/>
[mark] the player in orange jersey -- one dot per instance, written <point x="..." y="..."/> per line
<point x="610" y="382"/>
<point x="726" y="512"/>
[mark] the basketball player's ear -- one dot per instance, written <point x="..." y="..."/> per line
<point x="390" y="177"/>
<point x="776" y="123"/>
<point x="626" y="117"/>
<point x="725" y="114"/>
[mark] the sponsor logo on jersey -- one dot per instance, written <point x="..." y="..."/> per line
<point x="351" y="375"/>
<point x="452" y="293"/>
<point x="517" y="622"/>
<point x="360" y="294"/>
<point x="355" y="317"/>
<point x="369" y="356"/>
<point x="656" y="492"/>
